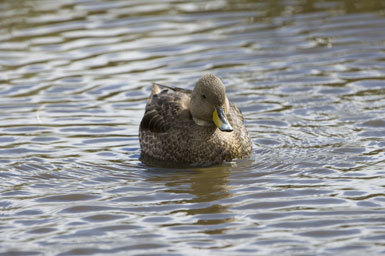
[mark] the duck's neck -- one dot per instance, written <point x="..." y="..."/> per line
<point x="201" y="122"/>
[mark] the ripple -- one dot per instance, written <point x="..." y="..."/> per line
<point x="29" y="212"/>
<point x="67" y="198"/>
<point x="85" y="208"/>
<point x="283" y="204"/>
<point x="374" y="124"/>
<point x="102" y="217"/>
<point x="330" y="233"/>
<point x="42" y="230"/>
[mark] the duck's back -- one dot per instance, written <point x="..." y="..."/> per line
<point x="168" y="133"/>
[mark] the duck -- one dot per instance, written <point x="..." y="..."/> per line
<point x="199" y="126"/>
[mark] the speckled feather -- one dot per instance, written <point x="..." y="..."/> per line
<point x="168" y="132"/>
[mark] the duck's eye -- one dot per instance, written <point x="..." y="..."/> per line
<point x="203" y="96"/>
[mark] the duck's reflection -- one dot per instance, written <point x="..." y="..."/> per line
<point x="201" y="191"/>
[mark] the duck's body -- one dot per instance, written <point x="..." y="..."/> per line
<point x="184" y="126"/>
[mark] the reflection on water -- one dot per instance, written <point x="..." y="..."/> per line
<point x="308" y="76"/>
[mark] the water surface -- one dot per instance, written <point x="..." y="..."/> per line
<point x="309" y="77"/>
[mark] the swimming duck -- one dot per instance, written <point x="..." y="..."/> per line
<point x="193" y="127"/>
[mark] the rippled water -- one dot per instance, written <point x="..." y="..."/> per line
<point x="309" y="77"/>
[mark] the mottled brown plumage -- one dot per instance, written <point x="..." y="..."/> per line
<point x="178" y="126"/>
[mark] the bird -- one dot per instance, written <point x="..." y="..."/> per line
<point x="199" y="126"/>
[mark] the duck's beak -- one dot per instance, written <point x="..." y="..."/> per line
<point x="220" y="120"/>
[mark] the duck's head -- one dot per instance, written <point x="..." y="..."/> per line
<point x="209" y="104"/>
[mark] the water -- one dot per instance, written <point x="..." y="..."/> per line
<point x="309" y="77"/>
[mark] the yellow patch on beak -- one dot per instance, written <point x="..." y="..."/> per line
<point x="220" y="120"/>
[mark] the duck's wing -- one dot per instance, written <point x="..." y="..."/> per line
<point x="236" y="114"/>
<point x="165" y="106"/>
